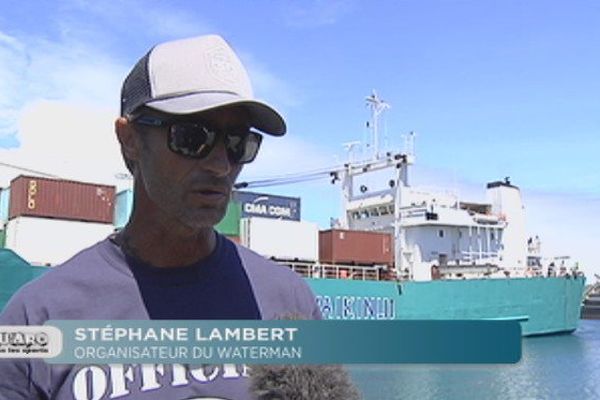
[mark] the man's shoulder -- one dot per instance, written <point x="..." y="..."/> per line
<point x="85" y="265"/>
<point x="280" y="292"/>
<point x="67" y="290"/>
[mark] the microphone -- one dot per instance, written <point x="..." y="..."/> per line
<point x="302" y="382"/>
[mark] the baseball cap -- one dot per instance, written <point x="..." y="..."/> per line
<point x="193" y="75"/>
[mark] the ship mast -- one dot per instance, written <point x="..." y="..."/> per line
<point x="377" y="106"/>
<point x="397" y="186"/>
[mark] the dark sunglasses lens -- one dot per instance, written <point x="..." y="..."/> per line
<point x="197" y="141"/>
<point x="243" y="149"/>
<point x="191" y="140"/>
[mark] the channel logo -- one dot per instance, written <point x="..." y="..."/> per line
<point x="30" y="341"/>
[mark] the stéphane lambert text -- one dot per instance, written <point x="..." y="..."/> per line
<point x="183" y="334"/>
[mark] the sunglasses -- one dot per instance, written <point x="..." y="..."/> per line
<point x="197" y="139"/>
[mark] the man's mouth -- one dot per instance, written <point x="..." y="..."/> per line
<point x="211" y="193"/>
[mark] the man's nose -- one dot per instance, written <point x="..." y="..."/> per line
<point x="217" y="161"/>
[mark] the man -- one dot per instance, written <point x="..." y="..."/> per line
<point x="187" y="126"/>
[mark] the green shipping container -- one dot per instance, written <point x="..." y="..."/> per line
<point x="230" y="224"/>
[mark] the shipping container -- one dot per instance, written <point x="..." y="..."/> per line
<point x="230" y="224"/>
<point x="63" y="199"/>
<point x="268" y="205"/>
<point x="4" y="204"/>
<point x="123" y="207"/>
<point x="2" y="238"/>
<point x="338" y="246"/>
<point x="235" y="239"/>
<point x="281" y="239"/>
<point x="48" y="241"/>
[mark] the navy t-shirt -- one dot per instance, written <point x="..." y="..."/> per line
<point x="215" y="287"/>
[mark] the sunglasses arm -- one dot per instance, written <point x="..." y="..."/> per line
<point x="150" y="121"/>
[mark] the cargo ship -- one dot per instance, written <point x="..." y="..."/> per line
<point x="396" y="252"/>
<point x="400" y="252"/>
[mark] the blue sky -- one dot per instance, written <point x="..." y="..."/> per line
<point x="492" y="88"/>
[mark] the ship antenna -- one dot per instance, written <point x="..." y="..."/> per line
<point x="350" y="149"/>
<point x="377" y="107"/>
<point x="409" y="143"/>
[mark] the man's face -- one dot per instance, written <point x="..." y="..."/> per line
<point x="194" y="192"/>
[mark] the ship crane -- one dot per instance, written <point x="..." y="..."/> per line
<point x="349" y="171"/>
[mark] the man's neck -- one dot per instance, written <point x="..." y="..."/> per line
<point x="165" y="246"/>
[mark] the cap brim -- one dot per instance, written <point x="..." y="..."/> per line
<point x="263" y="117"/>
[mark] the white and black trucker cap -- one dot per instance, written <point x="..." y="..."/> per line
<point x="194" y="75"/>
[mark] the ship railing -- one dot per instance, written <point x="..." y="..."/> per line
<point x="334" y="271"/>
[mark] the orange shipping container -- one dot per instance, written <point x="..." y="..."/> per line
<point x="338" y="246"/>
<point x="235" y="239"/>
<point x="54" y="198"/>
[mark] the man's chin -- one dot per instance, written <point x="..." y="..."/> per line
<point x="206" y="217"/>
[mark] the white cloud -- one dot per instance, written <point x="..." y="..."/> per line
<point x="67" y="140"/>
<point x="69" y="70"/>
<point x="13" y="68"/>
<point x="130" y="16"/>
<point x="268" y="86"/>
<point x="74" y="71"/>
<point x="315" y="13"/>
<point x="61" y="95"/>
<point x="61" y="102"/>
<point x="174" y="24"/>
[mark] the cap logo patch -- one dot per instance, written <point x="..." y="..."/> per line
<point x="221" y="66"/>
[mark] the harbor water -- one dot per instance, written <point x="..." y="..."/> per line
<point x="552" y="367"/>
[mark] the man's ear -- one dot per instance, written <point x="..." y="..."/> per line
<point x="128" y="138"/>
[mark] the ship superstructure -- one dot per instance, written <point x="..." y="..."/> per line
<point x="435" y="233"/>
<point x="451" y="259"/>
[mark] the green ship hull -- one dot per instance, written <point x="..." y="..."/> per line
<point x="543" y="305"/>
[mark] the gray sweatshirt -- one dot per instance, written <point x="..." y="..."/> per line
<point x="97" y="284"/>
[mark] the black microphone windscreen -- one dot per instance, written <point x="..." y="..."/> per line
<point x="302" y="382"/>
